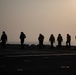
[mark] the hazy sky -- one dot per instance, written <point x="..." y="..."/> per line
<point x="37" y="16"/>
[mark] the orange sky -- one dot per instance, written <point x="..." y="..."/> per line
<point x="37" y="16"/>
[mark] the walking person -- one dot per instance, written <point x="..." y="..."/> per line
<point x="60" y="40"/>
<point x="22" y="38"/>
<point x="41" y="39"/>
<point x="68" y="42"/>
<point x="52" y="40"/>
<point x="3" y="39"/>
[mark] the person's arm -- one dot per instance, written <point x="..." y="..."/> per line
<point x="62" y="39"/>
<point x="54" y="39"/>
<point x="6" y="38"/>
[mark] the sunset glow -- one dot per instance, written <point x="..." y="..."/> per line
<point x="37" y="16"/>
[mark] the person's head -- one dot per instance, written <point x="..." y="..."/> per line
<point x="51" y="34"/>
<point x="67" y="34"/>
<point x="3" y="32"/>
<point x="21" y="32"/>
<point x="59" y="34"/>
<point x="40" y="34"/>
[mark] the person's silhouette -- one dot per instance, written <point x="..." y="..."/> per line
<point x="3" y="39"/>
<point x="52" y="40"/>
<point x="60" y="40"/>
<point x="41" y="39"/>
<point x="22" y="37"/>
<point x="75" y="37"/>
<point x="68" y="40"/>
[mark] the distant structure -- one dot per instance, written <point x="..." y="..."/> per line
<point x="60" y="40"/>
<point x="3" y="39"/>
<point x="22" y="38"/>
<point x="52" y="40"/>
<point x="41" y="39"/>
<point x="68" y="42"/>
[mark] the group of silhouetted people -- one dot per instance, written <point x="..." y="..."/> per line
<point x="40" y="39"/>
<point x="52" y="40"/>
<point x="60" y="40"/>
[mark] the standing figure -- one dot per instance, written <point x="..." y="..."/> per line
<point x="3" y="39"/>
<point x="68" y="40"/>
<point x="41" y="39"/>
<point x="60" y="40"/>
<point x="22" y="37"/>
<point x="52" y="40"/>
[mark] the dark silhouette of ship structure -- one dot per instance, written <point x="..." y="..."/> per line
<point x="38" y="59"/>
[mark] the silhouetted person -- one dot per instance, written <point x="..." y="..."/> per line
<point x="75" y="37"/>
<point x="22" y="37"/>
<point x="3" y="39"/>
<point x="68" y="40"/>
<point x="41" y="39"/>
<point x="52" y="40"/>
<point x="60" y="40"/>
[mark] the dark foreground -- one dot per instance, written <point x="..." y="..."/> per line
<point x="29" y="62"/>
<point x="38" y="65"/>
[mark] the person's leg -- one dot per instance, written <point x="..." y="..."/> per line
<point x="69" y="43"/>
<point x="59" y="43"/>
<point x="66" y="43"/>
<point x="51" y="43"/>
<point x="3" y="44"/>
<point x="21" y="44"/>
